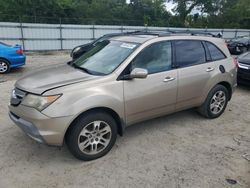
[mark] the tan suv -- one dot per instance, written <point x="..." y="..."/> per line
<point x="122" y="81"/>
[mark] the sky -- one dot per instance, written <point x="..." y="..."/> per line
<point x="170" y="6"/>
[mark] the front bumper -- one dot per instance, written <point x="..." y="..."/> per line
<point x="27" y="127"/>
<point x="243" y="76"/>
<point x="38" y="126"/>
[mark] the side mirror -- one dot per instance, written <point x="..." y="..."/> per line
<point x="139" y="73"/>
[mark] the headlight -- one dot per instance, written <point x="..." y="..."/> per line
<point x="39" y="102"/>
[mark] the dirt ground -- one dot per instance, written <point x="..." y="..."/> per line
<point x="179" y="150"/>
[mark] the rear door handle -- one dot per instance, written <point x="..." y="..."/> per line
<point x="209" y="69"/>
<point x="168" y="79"/>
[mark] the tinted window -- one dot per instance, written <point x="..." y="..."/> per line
<point x="189" y="52"/>
<point x="155" y="58"/>
<point x="215" y="53"/>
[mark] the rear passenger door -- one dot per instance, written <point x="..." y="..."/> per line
<point x="194" y="71"/>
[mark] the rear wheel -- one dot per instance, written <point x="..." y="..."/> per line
<point x="4" y="66"/>
<point x="92" y="136"/>
<point x="215" y="102"/>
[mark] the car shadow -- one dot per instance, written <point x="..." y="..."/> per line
<point x="159" y="123"/>
<point x="244" y="87"/>
<point x="13" y="74"/>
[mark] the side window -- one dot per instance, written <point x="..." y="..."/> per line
<point x="155" y="58"/>
<point x="189" y="52"/>
<point x="215" y="53"/>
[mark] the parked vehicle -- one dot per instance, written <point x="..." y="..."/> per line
<point x="80" y="50"/>
<point x="243" y="75"/>
<point x="10" y="57"/>
<point x="239" y="45"/>
<point x="119" y="82"/>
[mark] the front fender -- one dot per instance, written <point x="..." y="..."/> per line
<point x="76" y="101"/>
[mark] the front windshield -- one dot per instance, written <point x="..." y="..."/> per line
<point x="105" y="57"/>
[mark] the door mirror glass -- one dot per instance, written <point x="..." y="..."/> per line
<point x="138" y="73"/>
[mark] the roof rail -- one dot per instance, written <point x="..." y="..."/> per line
<point x="167" y="32"/>
<point x="193" y="33"/>
<point x="137" y="32"/>
<point x="170" y="31"/>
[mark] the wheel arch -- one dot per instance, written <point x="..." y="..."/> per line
<point x="228" y="87"/>
<point x="119" y="121"/>
<point x="3" y="58"/>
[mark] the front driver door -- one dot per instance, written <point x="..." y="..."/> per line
<point x="154" y="95"/>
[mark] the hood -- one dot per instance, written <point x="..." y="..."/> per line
<point x="46" y="79"/>
<point x="244" y="58"/>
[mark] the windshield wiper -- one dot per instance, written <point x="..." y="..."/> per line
<point x="87" y="70"/>
<point x="81" y="68"/>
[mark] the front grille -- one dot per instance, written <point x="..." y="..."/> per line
<point x="17" y="97"/>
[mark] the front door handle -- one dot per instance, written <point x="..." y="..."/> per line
<point x="209" y="69"/>
<point x="168" y="79"/>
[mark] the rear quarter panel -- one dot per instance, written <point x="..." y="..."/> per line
<point x="230" y="74"/>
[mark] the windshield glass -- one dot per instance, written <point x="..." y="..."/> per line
<point x="105" y="57"/>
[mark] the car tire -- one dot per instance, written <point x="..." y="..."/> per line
<point x="92" y="135"/>
<point x="4" y="66"/>
<point x="215" y="103"/>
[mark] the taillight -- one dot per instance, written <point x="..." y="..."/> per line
<point x="235" y="61"/>
<point x="19" y="51"/>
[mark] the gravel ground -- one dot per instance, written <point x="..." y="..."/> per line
<point x="179" y="150"/>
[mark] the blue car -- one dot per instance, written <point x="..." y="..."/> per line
<point x="10" y="57"/>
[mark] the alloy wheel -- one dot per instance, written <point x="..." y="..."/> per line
<point x="3" y="67"/>
<point x="94" y="137"/>
<point x="218" y="102"/>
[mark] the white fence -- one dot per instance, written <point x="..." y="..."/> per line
<point x="63" y="37"/>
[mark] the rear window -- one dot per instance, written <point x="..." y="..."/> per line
<point x="215" y="52"/>
<point x="189" y="52"/>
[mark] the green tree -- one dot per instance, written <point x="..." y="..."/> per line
<point x="185" y="7"/>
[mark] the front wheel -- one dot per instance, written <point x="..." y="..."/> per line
<point x="215" y="103"/>
<point x="92" y="136"/>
